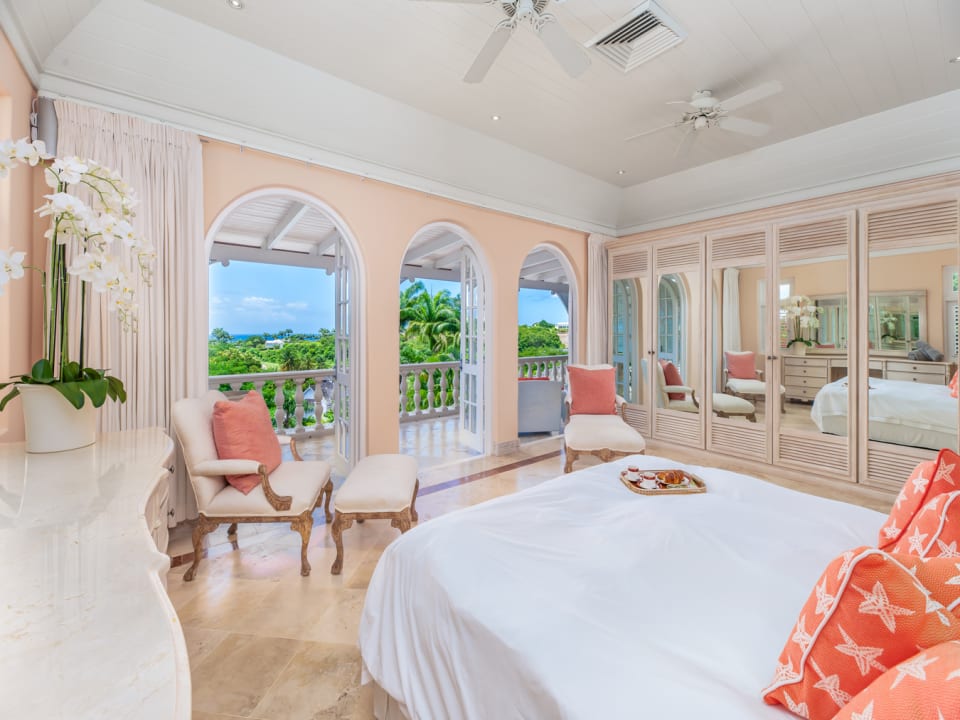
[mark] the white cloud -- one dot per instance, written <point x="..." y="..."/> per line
<point x="297" y="305"/>
<point x="258" y="302"/>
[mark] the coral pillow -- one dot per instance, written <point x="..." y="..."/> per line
<point x="935" y="531"/>
<point x="912" y="497"/>
<point x="741" y="365"/>
<point x="242" y="430"/>
<point x="671" y="376"/>
<point x="928" y="480"/>
<point x="923" y="687"/>
<point x="592" y="391"/>
<point x="867" y="613"/>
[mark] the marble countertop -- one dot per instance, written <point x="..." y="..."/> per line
<point x="86" y="627"/>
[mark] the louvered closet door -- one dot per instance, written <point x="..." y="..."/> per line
<point x="630" y="273"/>
<point x="813" y="369"/>
<point x="739" y="352"/>
<point x="908" y="295"/>
<point x="678" y="342"/>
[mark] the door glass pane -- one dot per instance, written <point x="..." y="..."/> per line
<point x="678" y="342"/>
<point x="627" y="347"/>
<point x="912" y="344"/>
<point x="813" y="343"/>
<point x="739" y="327"/>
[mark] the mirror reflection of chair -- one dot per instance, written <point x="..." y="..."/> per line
<point x="674" y="395"/>
<point x="597" y="423"/>
<point x="742" y="379"/>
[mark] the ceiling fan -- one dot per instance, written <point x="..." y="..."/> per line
<point x="564" y="48"/>
<point x="708" y="112"/>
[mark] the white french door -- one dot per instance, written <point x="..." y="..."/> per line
<point x="343" y="387"/>
<point x="472" y="352"/>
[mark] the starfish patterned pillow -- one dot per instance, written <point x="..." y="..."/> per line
<point x="928" y="479"/>
<point x="935" y="531"/>
<point x="923" y="687"/>
<point x="868" y="612"/>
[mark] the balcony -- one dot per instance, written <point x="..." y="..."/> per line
<point x="428" y="404"/>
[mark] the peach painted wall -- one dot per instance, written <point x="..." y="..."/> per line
<point x="17" y="306"/>
<point x="383" y="219"/>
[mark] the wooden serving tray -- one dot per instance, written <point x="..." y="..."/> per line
<point x="695" y="486"/>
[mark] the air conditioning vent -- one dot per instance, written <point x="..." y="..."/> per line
<point x="645" y="32"/>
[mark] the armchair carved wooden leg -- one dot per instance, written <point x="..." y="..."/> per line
<point x="340" y="523"/>
<point x="304" y="525"/>
<point x="413" y="502"/>
<point x="571" y="456"/>
<point x="328" y="495"/>
<point x="204" y="527"/>
<point x="232" y="530"/>
<point x="402" y="521"/>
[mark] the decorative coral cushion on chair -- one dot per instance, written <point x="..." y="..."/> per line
<point x="741" y="365"/>
<point x="242" y="430"/>
<point x="913" y="505"/>
<point x="592" y="391"/>
<point x="671" y="376"/>
<point x="867" y="613"/>
<point x="923" y="687"/>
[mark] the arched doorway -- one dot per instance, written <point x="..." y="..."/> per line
<point x="547" y="333"/>
<point x="443" y="371"/>
<point x="314" y="375"/>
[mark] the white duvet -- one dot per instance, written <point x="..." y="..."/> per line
<point x="580" y="599"/>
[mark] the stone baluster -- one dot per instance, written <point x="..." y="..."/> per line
<point x="444" y="385"/>
<point x="298" y="384"/>
<point x="281" y="414"/>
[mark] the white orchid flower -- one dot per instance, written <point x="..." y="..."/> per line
<point x="124" y="232"/>
<point x="62" y="203"/>
<point x="11" y="266"/>
<point x="28" y="152"/>
<point x="69" y="170"/>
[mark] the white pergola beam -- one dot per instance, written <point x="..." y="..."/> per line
<point x="289" y="220"/>
<point x="326" y="242"/>
<point x="232" y="237"/>
<point x="421" y="250"/>
<point x="538" y="256"/>
<point x="561" y="289"/>
<point x="221" y="252"/>
<point x="534" y="268"/>
<point x="429" y="273"/>
<point x="450" y="260"/>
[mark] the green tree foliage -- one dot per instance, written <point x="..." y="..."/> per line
<point x="429" y="325"/>
<point x="541" y="338"/>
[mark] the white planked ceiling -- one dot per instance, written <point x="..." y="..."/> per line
<point x="837" y="59"/>
<point x="402" y="113"/>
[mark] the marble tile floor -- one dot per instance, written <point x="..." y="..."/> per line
<point x="268" y="644"/>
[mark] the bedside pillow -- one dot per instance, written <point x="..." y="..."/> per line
<point x="923" y="687"/>
<point x="867" y="613"/>
<point x="242" y="430"/>
<point x="912" y="497"/>
<point x="592" y="391"/>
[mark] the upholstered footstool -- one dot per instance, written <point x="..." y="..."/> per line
<point x="726" y="406"/>
<point x="380" y="487"/>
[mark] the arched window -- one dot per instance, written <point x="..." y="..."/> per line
<point x="671" y="320"/>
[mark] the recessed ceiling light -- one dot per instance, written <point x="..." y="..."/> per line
<point x="621" y="172"/>
<point x="235" y="4"/>
<point x="494" y="117"/>
<point x="955" y="59"/>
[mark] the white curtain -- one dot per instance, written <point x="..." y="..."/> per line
<point x="167" y="358"/>
<point x="597" y="316"/>
<point x="731" y="309"/>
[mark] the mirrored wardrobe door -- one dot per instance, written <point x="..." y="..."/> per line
<point x="815" y="368"/>
<point x="738" y="419"/>
<point x="679" y="340"/>
<point x="909" y="288"/>
<point x="630" y="271"/>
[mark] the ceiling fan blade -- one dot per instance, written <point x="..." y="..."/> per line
<point x="564" y="48"/>
<point x="679" y="102"/>
<point x="748" y="97"/>
<point x="686" y="143"/>
<point x="489" y="53"/>
<point x="743" y="126"/>
<point x="651" y="132"/>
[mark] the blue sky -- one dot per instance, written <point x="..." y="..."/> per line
<point x="250" y="298"/>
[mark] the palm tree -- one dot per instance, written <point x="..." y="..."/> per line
<point x="433" y="320"/>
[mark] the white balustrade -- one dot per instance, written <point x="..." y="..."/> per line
<point x="429" y="390"/>
<point x="552" y="367"/>
<point x="310" y="402"/>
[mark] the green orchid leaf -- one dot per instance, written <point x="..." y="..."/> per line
<point x="10" y="396"/>
<point x="70" y="372"/>
<point x="96" y="390"/>
<point x="41" y="372"/>
<point x="72" y="392"/>
<point x="92" y="374"/>
<point x="116" y="388"/>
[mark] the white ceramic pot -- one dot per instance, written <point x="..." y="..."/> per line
<point x="799" y="348"/>
<point x="52" y="424"/>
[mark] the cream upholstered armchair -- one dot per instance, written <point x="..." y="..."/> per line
<point x="605" y="436"/>
<point x="689" y="402"/>
<point x="288" y="494"/>
<point x="742" y="379"/>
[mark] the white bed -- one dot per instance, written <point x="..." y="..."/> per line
<point x="580" y="599"/>
<point x="904" y="413"/>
